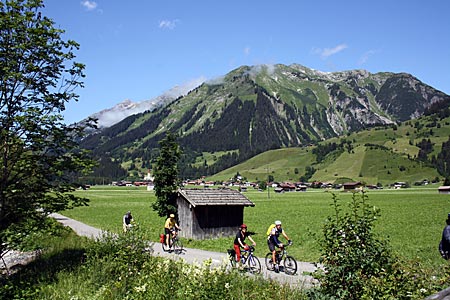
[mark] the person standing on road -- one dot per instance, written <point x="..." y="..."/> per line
<point x="126" y="223"/>
<point x="444" y="245"/>
<point x="239" y="241"/>
<point x="170" y="228"/>
<point x="273" y="241"/>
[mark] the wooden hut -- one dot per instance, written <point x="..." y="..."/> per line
<point x="209" y="213"/>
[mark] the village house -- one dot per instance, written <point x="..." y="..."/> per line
<point x="279" y="190"/>
<point x="209" y="213"/>
<point x="351" y="186"/>
<point x="300" y="188"/>
<point x="400" y="185"/>
<point x="372" y="187"/>
<point x="445" y="189"/>
<point x="287" y="186"/>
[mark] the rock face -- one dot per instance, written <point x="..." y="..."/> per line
<point x="14" y="260"/>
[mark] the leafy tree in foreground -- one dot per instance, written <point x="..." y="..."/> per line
<point x="38" y="152"/>
<point x="166" y="176"/>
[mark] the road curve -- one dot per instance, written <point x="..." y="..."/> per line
<point x="302" y="279"/>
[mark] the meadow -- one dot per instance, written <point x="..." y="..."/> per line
<point x="411" y="219"/>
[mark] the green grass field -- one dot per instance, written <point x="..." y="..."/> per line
<point x="411" y="219"/>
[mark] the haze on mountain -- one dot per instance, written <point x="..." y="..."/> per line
<point x="110" y="116"/>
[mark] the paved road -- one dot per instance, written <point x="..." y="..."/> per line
<point x="301" y="279"/>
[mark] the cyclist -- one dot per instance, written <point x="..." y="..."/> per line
<point x="239" y="241"/>
<point x="170" y="228"/>
<point x="273" y="241"/>
<point x="126" y="221"/>
<point x="444" y="245"/>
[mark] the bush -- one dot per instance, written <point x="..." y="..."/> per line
<point x="351" y="254"/>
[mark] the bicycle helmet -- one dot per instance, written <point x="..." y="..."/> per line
<point x="243" y="226"/>
<point x="277" y="222"/>
<point x="172" y="216"/>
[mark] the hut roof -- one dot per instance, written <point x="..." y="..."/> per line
<point x="352" y="183"/>
<point x="202" y="197"/>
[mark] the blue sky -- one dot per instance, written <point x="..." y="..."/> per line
<point x="138" y="49"/>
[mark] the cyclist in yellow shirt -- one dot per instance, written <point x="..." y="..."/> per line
<point x="170" y="227"/>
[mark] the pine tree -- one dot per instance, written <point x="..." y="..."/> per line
<point x="166" y="176"/>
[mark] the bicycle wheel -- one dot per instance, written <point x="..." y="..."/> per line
<point x="290" y="265"/>
<point x="269" y="263"/>
<point x="177" y="246"/>
<point x="232" y="262"/>
<point x="164" y="247"/>
<point x="231" y="257"/>
<point x="254" y="265"/>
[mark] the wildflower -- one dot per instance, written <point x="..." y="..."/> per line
<point x="141" y="288"/>
<point x="207" y="263"/>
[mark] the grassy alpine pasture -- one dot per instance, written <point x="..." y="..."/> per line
<point x="393" y="160"/>
<point x="411" y="219"/>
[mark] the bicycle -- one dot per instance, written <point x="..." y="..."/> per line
<point x="174" y="242"/>
<point x="289" y="263"/>
<point x="249" y="261"/>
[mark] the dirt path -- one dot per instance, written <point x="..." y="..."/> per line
<point x="190" y="255"/>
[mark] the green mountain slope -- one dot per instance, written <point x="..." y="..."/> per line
<point x="255" y="109"/>
<point x="376" y="156"/>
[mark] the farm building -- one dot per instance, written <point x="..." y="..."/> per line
<point x="279" y="190"/>
<point x="301" y="188"/>
<point x="444" y="189"/>
<point x="206" y="213"/>
<point x="287" y="187"/>
<point x="351" y="186"/>
<point x="400" y="185"/>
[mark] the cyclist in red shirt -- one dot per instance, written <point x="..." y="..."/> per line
<point x="239" y="241"/>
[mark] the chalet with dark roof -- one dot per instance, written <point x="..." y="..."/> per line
<point x="209" y="213"/>
<point x="287" y="186"/>
<point x="351" y="186"/>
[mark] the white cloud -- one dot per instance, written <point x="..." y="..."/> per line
<point x="168" y="24"/>
<point x="365" y="57"/>
<point x="327" y="52"/>
<point x="183" y="89"/>
<point x="257" y="69"/>
<point x="113" y="115"/>
<point x="247" y="50"/>
<point x="89" y="5"/>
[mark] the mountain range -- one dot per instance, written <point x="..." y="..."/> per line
<point x="253" y="109"/>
